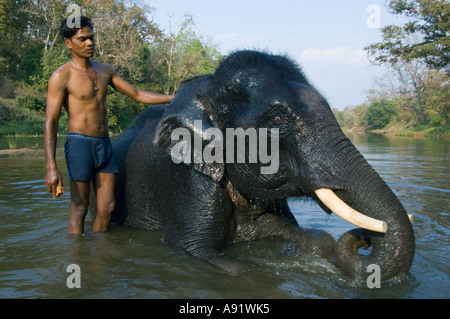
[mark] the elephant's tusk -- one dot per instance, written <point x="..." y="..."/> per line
<point x="333" y="202"/>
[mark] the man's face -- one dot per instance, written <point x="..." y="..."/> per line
<point x="82" y="43"/>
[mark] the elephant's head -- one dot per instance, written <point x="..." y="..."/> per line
<point x="312" y="157"/>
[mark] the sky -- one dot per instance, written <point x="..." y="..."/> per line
<point x="326" y="37"/>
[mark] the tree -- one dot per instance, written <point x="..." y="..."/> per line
<point x="429" y="22"/>
<point x="380" y="114"/>
<point x="352" y="116"/>
<point x="19" y="56"/>
<point x="122" y="33"/>
<point x="415" y="88"/>
<point x="182" y="55"/>
<point x="437" y="97"/>
<point x="418" y="54"/>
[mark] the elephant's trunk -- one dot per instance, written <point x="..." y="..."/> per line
<point x="361" y="188"/>
<point x="393" y="250"/>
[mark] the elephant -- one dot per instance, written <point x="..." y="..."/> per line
<point x="201" y="205"/>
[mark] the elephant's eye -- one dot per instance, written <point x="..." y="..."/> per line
<point x="277" y="119"/>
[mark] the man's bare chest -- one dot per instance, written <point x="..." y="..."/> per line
<point x="85" y="87"/>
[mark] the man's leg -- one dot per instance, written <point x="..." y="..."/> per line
<point x="104" y="187"/>
<point x="79" y="197"/>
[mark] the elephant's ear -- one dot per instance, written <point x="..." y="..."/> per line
<point x="187" y="127"/>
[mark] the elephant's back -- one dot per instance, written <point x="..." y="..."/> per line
<point x="122" y="145"/>
<point x="124" y="140"/>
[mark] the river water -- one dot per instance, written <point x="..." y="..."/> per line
<point x="35" y="249"/>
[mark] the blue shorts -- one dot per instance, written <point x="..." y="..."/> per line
<point x="87" y="155"/>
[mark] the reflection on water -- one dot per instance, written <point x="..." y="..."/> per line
<point x="35" y="248"/>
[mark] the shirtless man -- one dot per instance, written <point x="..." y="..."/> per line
<point x="81" y="86"/>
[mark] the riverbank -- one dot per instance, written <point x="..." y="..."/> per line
<point x="433" y="132"/>
<point x="26" y="144"/>
<point x="399" y="129"/>
<point x="26" y="150"/>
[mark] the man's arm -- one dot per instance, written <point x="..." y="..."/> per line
<point x="145" y="97"/>
<point x="55" y="99"/>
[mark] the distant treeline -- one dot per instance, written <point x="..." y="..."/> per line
<point x="408" y="100"/>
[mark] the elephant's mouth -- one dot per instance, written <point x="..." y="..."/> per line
<point x="340" y="208"/>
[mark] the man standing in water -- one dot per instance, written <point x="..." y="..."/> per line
<point x="81" y="86"/>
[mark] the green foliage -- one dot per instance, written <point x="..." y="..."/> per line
<point x="121" y="111"/>
<point x="386" y="115"/>
<point x="418" y="54"/>
<point x="50" y="61"/>
<point x="15" y="18"/>
<point x="32" y="103"/>
<point x="7" y="88"/>
<point x="352" y="117"/>
<point x="16" y="120"/>
<point x="380" y="114"/>
<point x="181" y="55"/>
<point x="429" y="23"/>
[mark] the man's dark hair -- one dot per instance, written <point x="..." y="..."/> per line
<point x="66" y="32"/>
